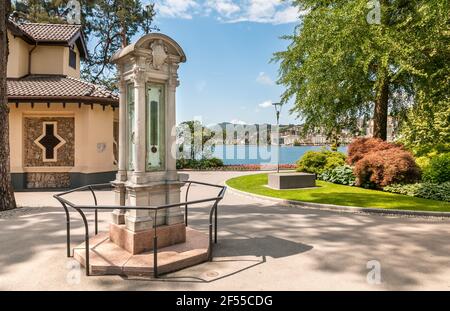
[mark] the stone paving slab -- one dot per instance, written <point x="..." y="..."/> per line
<point x="106" y="258"/>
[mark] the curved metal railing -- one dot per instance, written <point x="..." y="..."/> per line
<point x="66" y="204"/>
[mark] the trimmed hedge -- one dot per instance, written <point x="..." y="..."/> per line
<point x="438" y="169"/>
<point x="440" y="192"/>
<point x="317" y="162"/>
<point x="199" y="164"/>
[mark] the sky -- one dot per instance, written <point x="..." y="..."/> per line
<point x="228" y="76"/>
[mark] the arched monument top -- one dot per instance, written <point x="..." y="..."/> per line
<point x="150" y="42"/>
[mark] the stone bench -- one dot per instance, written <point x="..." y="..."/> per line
<point x="291" y="180"/>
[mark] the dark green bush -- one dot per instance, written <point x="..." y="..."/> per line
<point x="440" y="192"/>
<point x="317" y="162"/>
<point x="213" y="162"/>
<point x="438" y="170"/>
<point x="339" y="175"/>
<point x="199" y="164"/>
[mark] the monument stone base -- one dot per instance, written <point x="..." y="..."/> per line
<point x="142" y="241"/>
<point x="107" y="258"/>
<point x="291" y="180"/>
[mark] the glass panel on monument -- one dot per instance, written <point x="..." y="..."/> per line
<point x="131" y="125"/>
<point x="155" y="127"/>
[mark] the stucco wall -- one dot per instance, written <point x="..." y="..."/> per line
<point x="93" y="130"/>
<point x="69" y="70"/>
<point x="18" y="57"/>
<point x="47" y="60"/>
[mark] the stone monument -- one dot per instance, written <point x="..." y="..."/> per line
<point x="147" y="173"/>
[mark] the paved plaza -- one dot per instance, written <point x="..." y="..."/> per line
<point x="262" y="246"/>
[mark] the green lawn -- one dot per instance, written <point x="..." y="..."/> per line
<point x="329" y="193"/>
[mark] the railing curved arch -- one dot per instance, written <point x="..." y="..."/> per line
<point x="95" y="207"/>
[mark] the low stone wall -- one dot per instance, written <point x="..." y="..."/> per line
<point x="48" y="180"/>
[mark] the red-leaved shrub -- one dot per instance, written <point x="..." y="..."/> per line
<point x="361" y="147"/>
<point x="384" y="167"/>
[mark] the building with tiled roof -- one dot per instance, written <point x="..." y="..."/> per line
<point x="44" y="88"/>
<point x="63" y="130"/>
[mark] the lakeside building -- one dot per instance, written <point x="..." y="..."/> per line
<point x="291" y="135"/>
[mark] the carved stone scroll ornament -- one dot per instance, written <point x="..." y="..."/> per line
<point x="173" y="75"/>
<point x="138" y="75"/>
<point x="159" y="54"/>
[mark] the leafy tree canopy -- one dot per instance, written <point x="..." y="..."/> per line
<point x="108" y="25"/>
<point x="427" y="129"/>
<point x="343" y="65"/>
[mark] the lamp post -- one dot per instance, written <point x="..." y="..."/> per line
<point x="277" y="107"/>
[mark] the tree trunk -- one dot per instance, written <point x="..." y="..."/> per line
<point x="7" y="200"/>
<point x="123" y="35"/>
<point x="380" y="117"/>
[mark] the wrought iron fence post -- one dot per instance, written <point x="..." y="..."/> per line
<point x="67" y="228"/>
<point x="96" y="210"/>
<point x="211" y="232"/>
<point x="215" y="222"/>
<point x="86" y="239"/>
<point x="186" y="206"/>
<point x="155" y="247"/>
<point x="210" y="242"/>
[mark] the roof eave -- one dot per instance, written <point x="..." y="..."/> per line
<point x="78" y="39"/>
<point x="65" y="99"/>
<point x="16" y="31"/>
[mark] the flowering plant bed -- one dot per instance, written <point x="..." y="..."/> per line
<point x="250" y="167"/>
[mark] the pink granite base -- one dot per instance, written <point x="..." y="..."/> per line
<point x="107" y="258"/>
<point x="142" y="241"/>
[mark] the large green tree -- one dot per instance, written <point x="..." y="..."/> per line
<point x="350" y="60"/>
<point x="41" y="11"/>
<point x="108" y="24"/>
<point x="7" y="200"/>
<point x="426" y="131"/>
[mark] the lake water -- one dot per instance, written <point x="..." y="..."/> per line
<point x="244" y="154"/>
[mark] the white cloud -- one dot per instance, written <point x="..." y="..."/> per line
<point x="232" y="11"/>
<point x="262" y="9"/>
<point x="223" y="7"/>
<point x="268" y="11"/>
<point x="266" y="104"/>
<point x="264" y="79"/>
<point x="288" y="15"/>
<point x="176" y="8"/>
